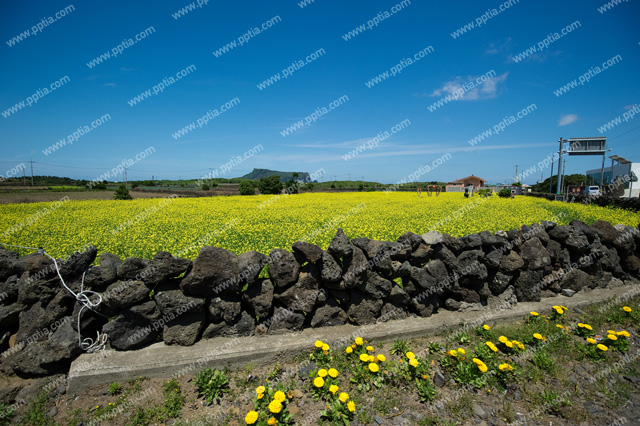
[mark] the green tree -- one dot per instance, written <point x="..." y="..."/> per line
<point x="122" y="193"/>
<point x="246" y="188"/>
<point x="270" y="185"/>
<point x="205" y="187"/>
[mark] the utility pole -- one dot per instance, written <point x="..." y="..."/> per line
<point x="31" y="161"/>
<point x="516" y="174"/>
<point x="559" y="165"/>
<point x="551" y="177"/>
<point x="24" y="176"/>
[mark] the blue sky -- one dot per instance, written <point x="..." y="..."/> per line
<point x="341" y="66"/>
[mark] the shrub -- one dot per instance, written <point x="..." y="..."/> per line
<point x="270" y="185"/>
<point x="122" y="193"/>
<point x="211" y="383"/>
<point x="205" y="187"/>
<point x="504" y="193"/>
<point x="246" y="188"/>
<point x="485" y="192"/>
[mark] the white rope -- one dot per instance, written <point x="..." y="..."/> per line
<point x="87" y="344"/>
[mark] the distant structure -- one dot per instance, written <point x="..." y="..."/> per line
<point x="467" y="182"/>
<point x="626" y="171"/>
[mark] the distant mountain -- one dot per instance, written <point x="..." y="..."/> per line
<point x="257" y="174"/>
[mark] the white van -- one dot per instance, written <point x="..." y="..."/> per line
<point x="592" y="190"/>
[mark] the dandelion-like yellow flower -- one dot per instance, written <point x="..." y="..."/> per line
<point x="381" y="358"/>
<point x="260" y="395"/>
<point x="374" y="367"/>
<point x="534" y="314"/>
<point x="492" y="346"/>
<point x="560" y="326"/>
<point x="486" y="327"/>
<point x="279" y="396"/>
<point x="452" y="352"/>
<point x="588" y="327"/>
<point x="414" y="362"/>
<point x="344" y="397"/>
<point x="481" y="365"/>
<point x="318" y="382"/>
<point x="349" y="349"/>
<point x="251" y="417"/>
<point x="351" y="406"/>
<point x="275" y="406"/>
<point x="325" y="347"/>
<point x="505" y="367"/>
<point x="602" y="347"/>
<point x="410" y="355"/>
<point x="592" y="340"/>
<point x="623" y="333"/>
<point x="260" y="389"/>
<point x="520" y="345"/>
<point x="580" y="325"/>
<point x="370" y="348"/>
<point x="559" y="310"/>
<point x="626" y="309"/>
<point x="359" y="341"/>
<point x="508" y="344"/>
<point x="333" y="389"/>
<point x="272" y="421"/>
<point x="612" y="337"/>
<point x="461" y="351"/>
<point x="318" y="344"/>
<point x="503" y="339"/>
<point x="372" y="358"/>
<point x="333" y="372"/>
<point x="538" y="336"/>
<point x="322" y="373"/>
<point x="364" y="357"/>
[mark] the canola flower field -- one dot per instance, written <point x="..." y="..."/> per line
<point x="182" y="226"/>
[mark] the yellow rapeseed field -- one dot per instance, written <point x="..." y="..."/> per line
<point x="263" y="222"/>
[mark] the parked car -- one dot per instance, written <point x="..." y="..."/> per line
<point x="592" y="190"/>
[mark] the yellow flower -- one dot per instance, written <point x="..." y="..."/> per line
<point x="370" y="348"/>
<point x="322" y="373"/>
<point x="520" y="345"/>
<point x="272" y="421"/>
<point x="251" y="417"/>
<point x="564" y="307"/>
<point x="538" y="336"/>
<point x="364" y="357"/>
<point x="505" y="367"/>
<point x="626" y="309"/>
<point x="344" y="397"/>
<point x="508" y="344"/>
<point x="481" y="365"/>
<point x="612" y="337"/>
<point x="602" y="347"/>
<point x="588" y="327"/>
<point x="333" y="372"/>
<point x="492" y="346"/>
<point x="560" y="326"/>
<point x="559" y="310"/>
<point x="381" y="358"/>
<point x="260" y="389"/>
<point x="592" y="340"/>
<point x="359" y="341"/>
<point x="275" y="406"/>
<point x="410" y="355"/>
<point x="260" y="395"/>
<point x="325" y="347"/>
<point x="374" y="367"/>
<point x="581" y="325"/>
<point x="486" y="327"/>
<point x="623" y="333"/>
<point x="318" y="344"/>
<point x="279" y="396"/>
<point x="351" y="406"/>
<point x="461" y="351"/>
<point x="414" y="362"/>
<point x="318" y="382"/>
<point x="533" y="313"/>
<point x="349" y="349"/>
<point x="452" y="352"/>
<point x="503" y="339"/>
<point x="372" y="358"/>
<point x="424" y="376"/>
<point x="333" y="389"/>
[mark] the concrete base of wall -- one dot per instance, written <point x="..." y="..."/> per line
<point x="161" y="360"/>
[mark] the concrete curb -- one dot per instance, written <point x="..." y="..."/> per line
<point x="163" y="361"/>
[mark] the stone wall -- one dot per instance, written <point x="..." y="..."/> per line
<point x="360" y="281"/>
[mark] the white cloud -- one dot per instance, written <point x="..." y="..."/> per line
<point x="567" y="119"/>
<point x="487" y="90"/>
<point x="110" y="84"/>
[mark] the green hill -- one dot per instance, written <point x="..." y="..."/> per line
<point x="257" y="174"/>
